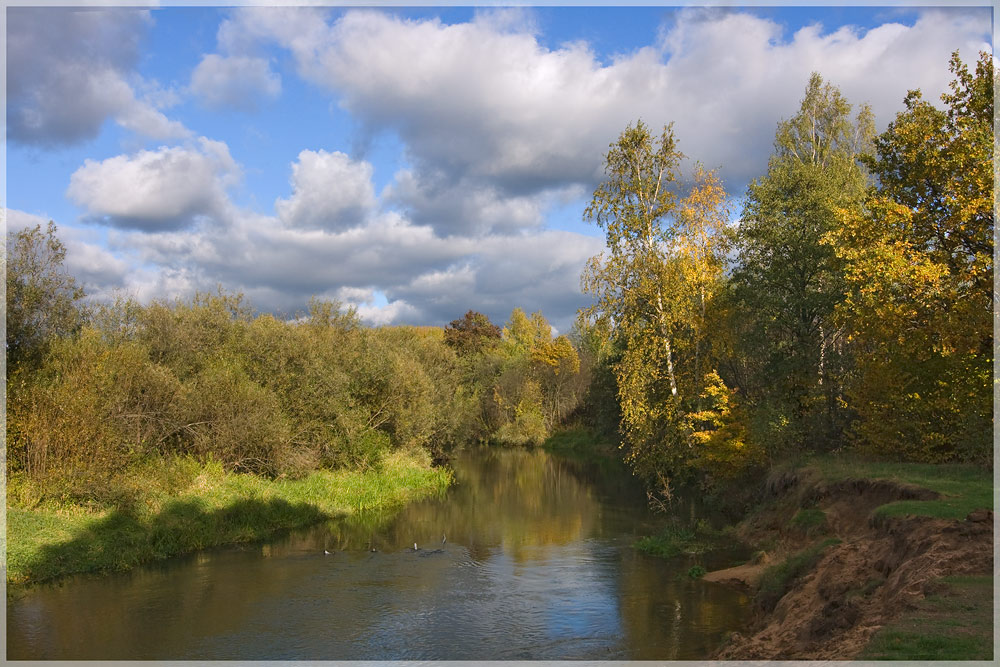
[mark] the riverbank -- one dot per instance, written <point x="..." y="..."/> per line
<point x="178" y="506"/>
<point x="857" y="561"/>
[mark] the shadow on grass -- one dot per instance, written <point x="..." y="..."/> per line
<point x="125" y="538"/>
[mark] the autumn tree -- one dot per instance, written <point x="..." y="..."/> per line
<point x="471" y="333"/>
<point x="633" y="287"/>
<point x="539" y="381"/>
<point x="703" y="237"/>
<point x="653" y="284"/>
<point x="919" y="277"/>
<point x="42" y="297"/>
<point x="786" y="282"/>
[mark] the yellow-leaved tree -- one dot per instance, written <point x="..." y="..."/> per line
<point x="652" y="287"/>
<point x="919" y="274"/>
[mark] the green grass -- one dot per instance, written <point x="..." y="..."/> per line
<point x="809" y="521"/>
<point x="955" y="623"/>
<point x="217" y="507"/>
<point x="776" y="580"/>
<point x="963" y="488"/>
<point x="675" y="540"/>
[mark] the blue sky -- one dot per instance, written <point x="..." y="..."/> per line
<point x="413" y="162"/>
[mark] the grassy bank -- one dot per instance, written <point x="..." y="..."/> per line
<point x="178" y="506"/>
<point x="953" y="623"/>
<point x="963" y="488"/>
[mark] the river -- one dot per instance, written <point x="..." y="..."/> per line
<point x="528" y="556"/>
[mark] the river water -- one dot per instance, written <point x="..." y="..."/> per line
<point x="528" y="556"/>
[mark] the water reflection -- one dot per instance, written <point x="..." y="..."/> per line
<point x="537" y="564"/>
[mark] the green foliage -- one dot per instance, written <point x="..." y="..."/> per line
<point x="227" y="416"/>
<point x="919" y="279"/>
<point x="778" y="579"/>
<point x="579" y="441"/>
<point x="599" y="356"/>
<point x="89" y="412"/>
<point x="212" y="379"/>
<point x="955" y="623"/>
<point x="675" y="540"/>
<point x="696" y="572"/>
<point x="787" y="282"/>
<point x="41" y="296"/>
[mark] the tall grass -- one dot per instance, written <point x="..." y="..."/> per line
<point x="215" y="507"/>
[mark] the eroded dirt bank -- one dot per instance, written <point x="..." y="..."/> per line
<point x="880" y="568"/>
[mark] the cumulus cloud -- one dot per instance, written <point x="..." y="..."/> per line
<point x="485" y="101"/>
<point x="425" y="279"/>
<point x="68" y="70"/>
<point x="497" y="129"/>
<point x="465" y="207"/>
<point x="534" y="271"/>
<point x="163" y="189"/>
<point x="236" y="82"/>
<point x="329" y="191"/>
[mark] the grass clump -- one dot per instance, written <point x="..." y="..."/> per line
<point x="955" y="623"/>
<point x="809" y="521"/>
<point x="675" y="540"/>
<point x="963" y="487"/>
<point x="216" y="507"/>
<point x="778" y="579"/>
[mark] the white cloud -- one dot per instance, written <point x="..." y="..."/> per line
<point x="465" y="207"/>
<point x="237" y="82"/>
<point x="486" y="103"/>
<point x="497" y="129"/>
<point x="329" y="191"/>
<point x="165" y="189"/>
<point x="426" y="279"/>
<point x="396" y="312"/>
<point x="69" y="71"/>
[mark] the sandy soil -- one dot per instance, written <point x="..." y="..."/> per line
<point x="879" y="570"/>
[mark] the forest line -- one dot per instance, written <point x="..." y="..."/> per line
<point x="851" y="307"/>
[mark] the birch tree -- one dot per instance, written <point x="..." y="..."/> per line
<point x="632" y="282"/>
<point x="787" y="283"/>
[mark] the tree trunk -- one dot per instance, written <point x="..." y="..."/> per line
<point x="666" y="345"/>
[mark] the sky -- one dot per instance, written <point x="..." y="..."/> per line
<point x="414" y="163"/>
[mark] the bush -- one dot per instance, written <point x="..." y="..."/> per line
<point x="778" y="579"/>
<point x="232" y="419"/>
<point x="91" y="411"/>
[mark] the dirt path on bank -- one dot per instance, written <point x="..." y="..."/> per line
<point x="881" y="569"/>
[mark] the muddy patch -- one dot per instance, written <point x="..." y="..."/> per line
<point x="879" y="570"/>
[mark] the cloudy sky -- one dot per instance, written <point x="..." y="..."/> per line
<point x="415" y="163"/>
